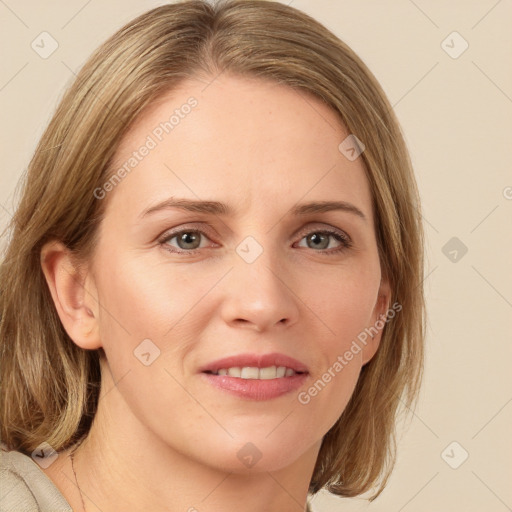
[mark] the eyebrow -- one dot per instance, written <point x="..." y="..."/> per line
<point x="218" y="208"/>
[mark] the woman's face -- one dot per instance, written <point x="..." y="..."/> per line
<point x="259" y="279"/>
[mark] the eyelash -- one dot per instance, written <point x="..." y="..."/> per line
<point x="346" y="243"/>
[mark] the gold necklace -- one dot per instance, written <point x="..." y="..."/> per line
<point x="71" y="456"/>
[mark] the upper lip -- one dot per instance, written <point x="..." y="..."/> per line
<point x="255" y="360"/>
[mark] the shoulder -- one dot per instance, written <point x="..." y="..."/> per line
<point x="25" y="487"/>
<point x="309" y="506"/>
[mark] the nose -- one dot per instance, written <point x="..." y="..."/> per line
<point x="259" y="295"/>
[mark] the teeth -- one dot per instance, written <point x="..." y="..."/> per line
<point x="251" y="372"/>
<point x="268" y="373"/>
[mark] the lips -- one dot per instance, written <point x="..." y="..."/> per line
<point x="255" y="360"/>
<point x="254" y="389"/>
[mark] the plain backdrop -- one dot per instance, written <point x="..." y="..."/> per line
<point x="447" y="70"/>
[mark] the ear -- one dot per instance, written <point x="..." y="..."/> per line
<point x="73" y="293"/>
<point x="378" y="322"/>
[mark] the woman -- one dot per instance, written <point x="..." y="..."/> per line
<point x="212" y="295"/>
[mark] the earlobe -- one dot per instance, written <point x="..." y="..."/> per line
<point x="75" y="303"/>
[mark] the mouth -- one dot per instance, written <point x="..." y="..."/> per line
<point x="256" y="366"/>
<point x="256" y="376"/>
<point x="255" y="388"/>
<point x="253" y="372"/>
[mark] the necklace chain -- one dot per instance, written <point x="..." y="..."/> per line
<point x="71" y="456"/>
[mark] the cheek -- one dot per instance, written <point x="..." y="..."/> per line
<point x="142" y="305"/>
<point x="324" y="399"/>
<point x="145" y="300"/>
<point x="154" y="314"/>
<point x="342" y="300"/>
<point x="341" y="305"/>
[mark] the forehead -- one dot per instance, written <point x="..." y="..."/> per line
<point x="243" y="141"/>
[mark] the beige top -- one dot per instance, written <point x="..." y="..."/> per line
<point x="24" y="486"/>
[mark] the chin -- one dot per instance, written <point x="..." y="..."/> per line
<point x="255" y="453"/>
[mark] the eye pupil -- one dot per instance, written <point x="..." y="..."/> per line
<point x="316" y="237"/>
<point x="186" y="238"/>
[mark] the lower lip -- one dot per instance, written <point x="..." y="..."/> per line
<point x="256" y="389"/>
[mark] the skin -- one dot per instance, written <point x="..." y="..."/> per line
<point x="163" y="439"/>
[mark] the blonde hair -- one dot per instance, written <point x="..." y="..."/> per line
<point x="50" y="385"/>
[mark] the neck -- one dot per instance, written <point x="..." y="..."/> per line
<point x="121" y="465"/>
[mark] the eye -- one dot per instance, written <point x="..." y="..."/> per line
<point x="187" y="241"/>
<point x="321" y="240"/>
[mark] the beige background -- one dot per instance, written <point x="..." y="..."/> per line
<point x="456" y="114"/>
